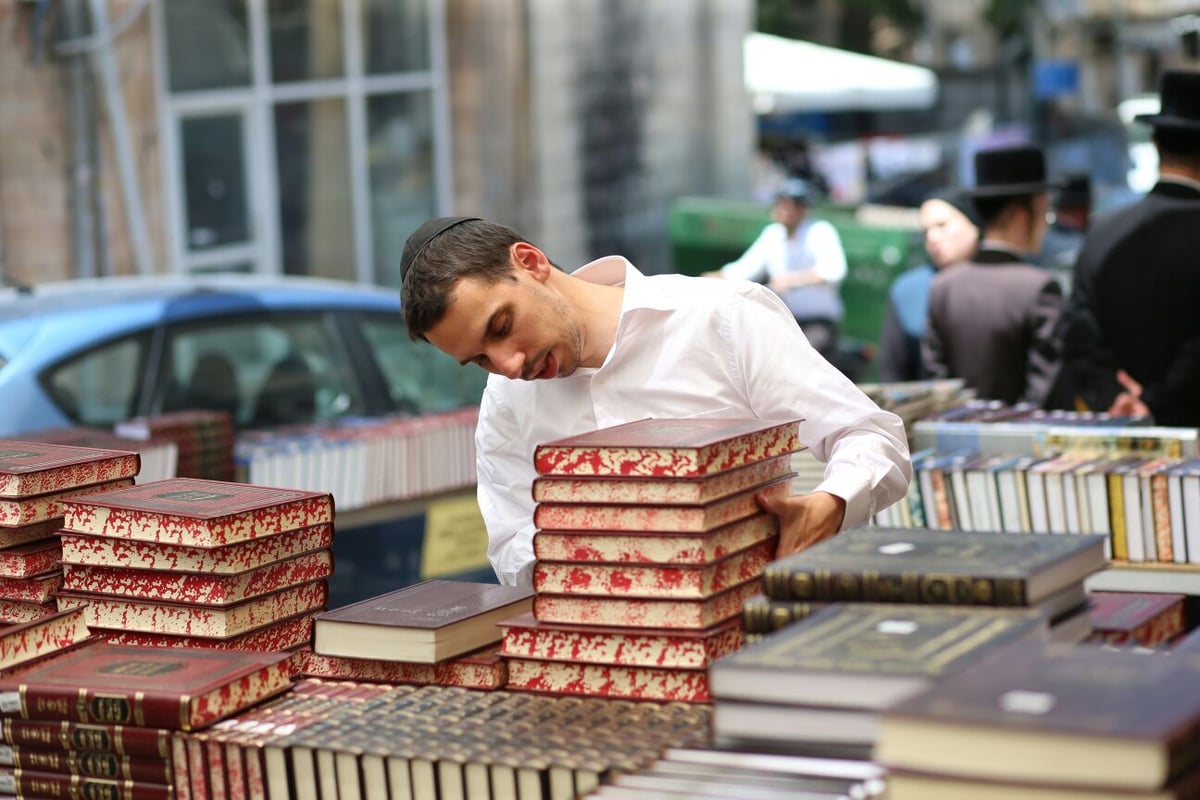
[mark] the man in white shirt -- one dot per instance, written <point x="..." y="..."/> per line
<point x="606" y="345"/>
<point x="801" y="259"/>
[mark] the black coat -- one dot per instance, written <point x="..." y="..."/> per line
<point x="1135" y="305"/>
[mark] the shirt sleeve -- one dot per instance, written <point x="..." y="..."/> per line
<point x="828" y="255"/>
<point x="864" y="448"/>
<point x="504" y="491"/>
<point x="755" y="263"/>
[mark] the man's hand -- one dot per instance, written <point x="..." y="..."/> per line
<point x="804" y="519"/>
<point x="1129" y="403"/>
<point x="794" y="280"/>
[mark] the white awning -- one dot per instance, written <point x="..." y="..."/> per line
<point x="785" y="75"/>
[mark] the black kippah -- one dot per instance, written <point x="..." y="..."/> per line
<point x="419" y="239"/>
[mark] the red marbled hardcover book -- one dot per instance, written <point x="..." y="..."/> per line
<point x="670" y="519"/>
<point x="641" y="613"/>
<point x="604" y="680"/>
<point x="660" y="490"/>
<point x="483" y="669"/>
<point x="686" y="581"/>
<point x="679" y="448"/>
<point x="30" y="783"/>
<point x="33" y="589"/>
<point x="197" y="513"/>
<point x="121" y="740"/>
<point x="1146" y="618"/>
<point x="274" y="637"/>
<point x="22" y="611"/>
<point x="31" y="532"/>
<point x="194" y="587"/>
<point x="648" y="547"/>
<point x="177" y="688"/>
<point x="33" y="468"/>
<point x="526" y="637"/>
<point x="93" y="765"/>
<point x="26" y="641"/>
<point x="21" y="511"/>
<point x="181" y="619"/>
<point x="87" y="549"/>
<point x="26" y="560"/>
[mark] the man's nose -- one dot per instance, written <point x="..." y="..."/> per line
<point x="510" y="364"/>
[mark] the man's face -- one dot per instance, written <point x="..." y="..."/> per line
<point x="949" y="235"/>
<point x="788" y="212"/>
<point x="520" y="329"/>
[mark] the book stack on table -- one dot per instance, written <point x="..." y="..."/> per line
<point x="158" y="456"/>
<point x="649" y="541"/>
<point x="1051" y="722"/>
<point x="1136" y="619"/>
<point x="435" y="632"/>
<point x="905" y="609"/>
<point x="207" y="564"/>
<point x="36" y="479"/>
<point x="110" y="721"/>
<point x="204" y="440"/>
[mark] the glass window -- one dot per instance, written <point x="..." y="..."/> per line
<point x="101" y="386"/>
<point x="400" y="154"/>
<point x="265" y="371"/>
<point x="207" y="44"/>
<point x="312" y="153"/>
<point x="306" y="40"/>
<point x="215" y="172"/>
<point x="395" y="35"/>
<point x="420" y="378"/>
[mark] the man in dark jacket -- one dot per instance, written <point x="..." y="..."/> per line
<point x="1131" y="339"/>
<point x="993" y="319"/>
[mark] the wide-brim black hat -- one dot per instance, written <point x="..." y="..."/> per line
<point x="1179" y="105"/>
<point x="1009" y="171"/>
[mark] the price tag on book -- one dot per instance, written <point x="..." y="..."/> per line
<point x="10" y="702"/>
<point x="6" y="755"/>
<point x="8" y="783"/>
<point x="455" y="537"/>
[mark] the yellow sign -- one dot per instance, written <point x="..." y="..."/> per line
<point x="455" y="537"/>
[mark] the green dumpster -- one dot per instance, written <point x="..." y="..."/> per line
<point x="706" y="233"/>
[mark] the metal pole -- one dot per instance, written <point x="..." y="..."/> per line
<point x="135" y="217"/>
<point x="82" y="176"/>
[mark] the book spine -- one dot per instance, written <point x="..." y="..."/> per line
<point x="62" y="478"/>
<point x="24" y="783"/>
<point x="1116" y="508"/>
<point x="91" y="765"/>
<point x="785" y="583"/>
<point x="70" y="736"/>
<point x="96" y="707"/>
<point x="762" y="615"/>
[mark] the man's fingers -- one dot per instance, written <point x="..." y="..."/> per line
<point x="1126" y="380"/>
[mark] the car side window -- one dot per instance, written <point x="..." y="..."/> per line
<point x="99" y="387"/>
<point x="420" y="378"/>
<point x="268" y="370"/>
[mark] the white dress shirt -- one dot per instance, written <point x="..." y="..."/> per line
<point x="685" y="347"/>
<point x="814" y="245"/>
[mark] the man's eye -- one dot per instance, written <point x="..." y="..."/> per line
<point x="502" y="330"/>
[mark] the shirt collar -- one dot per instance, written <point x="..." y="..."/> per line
<point x="1179" y="180"/>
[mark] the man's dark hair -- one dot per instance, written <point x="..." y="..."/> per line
<point x="990" y="208"/>
<point x="474" y="249"/>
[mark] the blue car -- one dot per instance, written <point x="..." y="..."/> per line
<point x="269" y="350"/>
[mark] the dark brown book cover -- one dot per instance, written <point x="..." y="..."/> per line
<point x="121" y="740"/>
<point x="675" y="447"/>
<point x="197" y="513"/>
<point x="92" y="765"/>
<point x="30" y="783"/>
<point x="1085" y="716"/>
<point x="179" y="688"/>
<point x="32" y="468"/>
<point x="426" y="622"/>
<point x="915" y="565"/>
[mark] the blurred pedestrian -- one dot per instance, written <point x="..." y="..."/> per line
<point x="1131" y="341"/>
<point x="802" y="260"/>
<point x="951" y="229"/>
<point x="993" y="319"/>
<point x="1068" y="222"/>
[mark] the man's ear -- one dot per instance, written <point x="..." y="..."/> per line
<point x="527" y="257"/>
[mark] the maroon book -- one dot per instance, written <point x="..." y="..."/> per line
<point x="92" y="765"/>
<point x="482" y="669"/>
<point x="605" y="680"/>
<point x="32" y="783"/>
<point x="655" y="547"/>
<point x="659" y="491"/>
<point x="179" y="688"/>
<point x="1147" y="618"/>
<point x="26" y="641"/>
<point x="32" y="468"/>
<point x="30" y="532"/>
<point x="679" y="448"/>
<point x="120" y="740"/>
<point x="197" y="513"/>
<point x="644" y="613"/>
<point x="276" y="636"/>
<point x="21" y="511"/>
<point x="33" y="558"/>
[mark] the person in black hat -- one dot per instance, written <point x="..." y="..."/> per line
<point x="993" y="319"/>
<point x="1131" y="339"/>
<point x="605" y="344"/>
<point x="1072" y="208"/>
<point x="951" y="229"/>
<point x="802" y="259"/>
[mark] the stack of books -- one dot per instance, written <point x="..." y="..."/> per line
<point x="436" y="632"/>
<point x="36" y="479"/>
<point x="204" y="440"/>
<point x="903" y="609"/>
<point x="649" y="541"/>
<point x="101" y="720"/>
<point x="158" y="456"/>
<point x="1050" y="722"/>
<point x="206" y="564"/>
<point x="1137" y="619"/>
